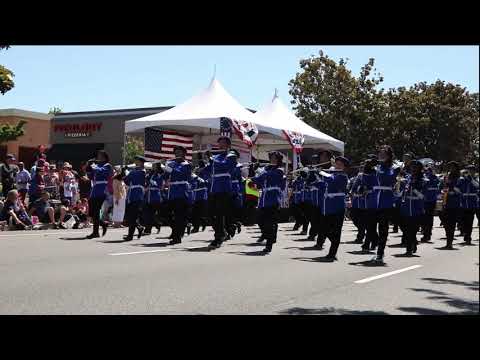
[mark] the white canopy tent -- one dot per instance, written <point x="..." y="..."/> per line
<point x="200" y="115"/>
<point x="277" y="117"/>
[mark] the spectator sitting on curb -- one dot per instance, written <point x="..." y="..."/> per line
<point x="11" y="210"/>
<point x="42" y="208"/>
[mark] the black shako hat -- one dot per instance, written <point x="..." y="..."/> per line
<point x="277" y="154"/>
<point x="179" y="147"/>
<point x="343" y="159"/>
<point x="140" y="158"/>
<point x="226" y="138"/>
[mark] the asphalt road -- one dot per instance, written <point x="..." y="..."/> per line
<point x="58" y="272"/>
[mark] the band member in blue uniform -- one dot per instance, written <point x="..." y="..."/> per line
<point x="237" y="199"/>
<point x="178" y="172"/>
<point x="430" y="202"/>
<point x="386" y="176"/>
<point x="398" y="219"/>
<point x="135" y="181"/>
<point x="412" y="207"/>
<point x="297" y="186"/>
<point x="272" y="181"/>
<point x="452" y="201"/>
<point x="469" y="188"/>
<point x="200" y="198"/>
<point x="333" y="207"/>
<point x="153" y="198"/>
<point x="367" y="182"/>
<point x="220" y="170"/>
<point x="100" y="172"/>
<point x="358" y="209"/>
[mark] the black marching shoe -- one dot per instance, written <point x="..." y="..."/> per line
<point x="175" y="241"/>
<point x="204" y="227"/>
<point x="92" y="236"/>
<point x="215" y="244"/>
<point x="239" y="228"/>
<point x="268" y="249"/>
<point x="104" y="229"/>
<point x="260" y="239"/>
<point x="140" y="231"/>
<point x="303" y="233"/>
<point x="409" y="253"/>
<point x="128" y="238"/>
<point x="296" y="227"/>
<point x="330" y="258"/>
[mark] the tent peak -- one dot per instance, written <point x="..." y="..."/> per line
<point x="275" y="95"/>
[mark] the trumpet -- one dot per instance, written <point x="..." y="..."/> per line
<point x="311" y="167"/>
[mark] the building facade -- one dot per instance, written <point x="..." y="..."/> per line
<point x="37" y="132"/>
<point x="76" y="136"/>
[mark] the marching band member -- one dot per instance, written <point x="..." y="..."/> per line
<point x="452" y="201"/>
<point x="221" y="169"/>
<point x="153" y="198"/>
<point x="297" y="186"/>
<point x="430" y="202"/>
<point x="358" y="208"/>
<point x="470" y="203"/>
<point x="236" y="198"/>
<point x="100" y="172"/>
<point x="272" y="180"/>
<point x="135" y="181"/>
<point x="178" y="172"/>
<point x="333" y="207"/>
<point x="386" y="178"/>
<point x="397" y="219"/>
<point x="367" y="198"/>
<point x="412" y="205"/>
<point x="199" y="208"/>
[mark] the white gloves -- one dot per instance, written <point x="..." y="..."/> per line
<point x="168" y="169"/>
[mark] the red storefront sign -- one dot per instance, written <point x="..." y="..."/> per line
<point x="77" y="128"/>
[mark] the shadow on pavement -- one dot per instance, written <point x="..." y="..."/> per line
<point x="306" y="239"/>
<point x="295" y="234"/>
<point x="328" y="311"/>
<point x="115" y="241"/>
<point x="368" y="263"/>
<point x="397" y="246"/>
<point x="153" y="244"/>
<point x="199" y="249"/>
<point x="321" y="259"/>
<point x="303" y="248"/>
<point x="248" y="253"/>
<point x="462" y="306"/>
<point x="360" y="252"/>
<point x="352" y="242"/>
<point x="441" y="248"/>
<point x="405" y="256"/>
<point x="465" y="244"/>
<point x="74" y="238"/>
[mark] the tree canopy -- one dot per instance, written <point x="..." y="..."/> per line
<point x="438" y="120"/>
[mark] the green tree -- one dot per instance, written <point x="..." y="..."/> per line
<point x="55" y="110"/>
<point x="6" y="76"/>
<point x="329" y="97"/>
<point x="438" y="120"/>
<point x="133" y="146"/>
<point x="11" y="132"/>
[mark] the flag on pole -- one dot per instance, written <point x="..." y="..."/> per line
<point x="159" y="144"/>
<point x="295" y="139"/>
<point x="225" y="127"/>
<point x="246" y="131"/>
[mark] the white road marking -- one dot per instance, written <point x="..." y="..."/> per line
<point x="140" y="252"/>
<point x="366" y="280"/>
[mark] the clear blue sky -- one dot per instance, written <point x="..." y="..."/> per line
<point x="81" y="78"/>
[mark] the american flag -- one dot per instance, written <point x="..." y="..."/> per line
<point x="225" y="127"/>
<point x="159" y="144"/>
<point x="246" y="131"/>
